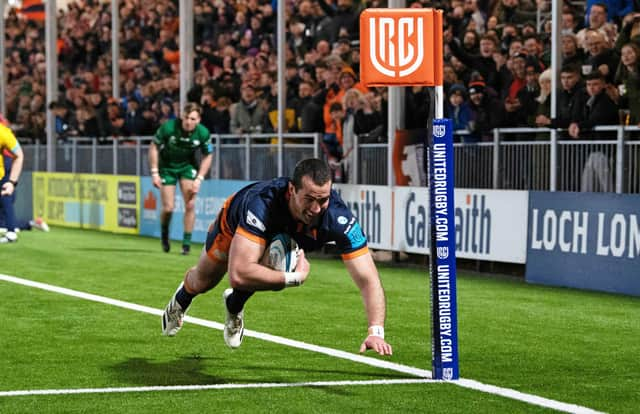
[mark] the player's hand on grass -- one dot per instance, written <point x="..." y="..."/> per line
<point x="377" y="344"/>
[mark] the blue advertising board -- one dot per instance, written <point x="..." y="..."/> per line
<point x="444" y="325"/>
<point x="212" y="195"/>
<point x="584" y="240"/>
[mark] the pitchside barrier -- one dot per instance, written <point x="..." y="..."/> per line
<point x="403" y="47"/>
<point x="579" y="240"/>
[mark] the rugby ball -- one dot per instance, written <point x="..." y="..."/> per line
<point x="282" y="253"/>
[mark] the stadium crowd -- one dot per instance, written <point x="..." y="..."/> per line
<point x="495" y="57"/>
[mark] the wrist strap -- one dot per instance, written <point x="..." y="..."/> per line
<point x="292" y="279"/>
<point x="15" y="183"/>
<point x="376" y="330"/>
<point x="200" y="178"/>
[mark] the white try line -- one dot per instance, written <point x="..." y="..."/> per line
<point x="212" y="387"/>
<point x="417" y="372"/>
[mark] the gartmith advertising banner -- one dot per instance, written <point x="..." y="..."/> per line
<point x="372" y="206"/>
<point x="88" y="201"/>
<point x="489" y="224"/>
<point x="585" y="240"/>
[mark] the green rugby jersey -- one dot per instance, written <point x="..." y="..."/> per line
<point x="177" y="148"/>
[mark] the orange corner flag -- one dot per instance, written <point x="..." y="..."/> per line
<point x="400" y="47"/>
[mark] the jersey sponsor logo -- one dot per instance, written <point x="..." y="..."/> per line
<point x="255" y="221"/>
<point x="342" y="220"/>
<point x="355" y="235"/>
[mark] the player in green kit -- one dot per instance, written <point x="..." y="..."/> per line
<point x="172" y="159"/>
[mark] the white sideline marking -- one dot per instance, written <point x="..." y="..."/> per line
<point x="213" y="387"/>
<point x="422" y="373"/>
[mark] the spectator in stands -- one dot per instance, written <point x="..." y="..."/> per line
<point x="484" y="62"/>
<point x="116" y="118"/>
<point x="63" y="119"/>
<point x="616" y="9"/>
<point x="307" y="16"/>
<point x="508" y="33"/>
<point x="248" y="115"/>
<point x="343" y="16"/>
<point x="569" y="22"/>
<point x="513" y="115"/>
<point x="221" y="119"/>
<point x="627" y="79"/>
<point x="630" y="31"/>
<point x="450" y="76"/>
<point x="165" y="111"/>
<point x="353" y="102"/>
<point x="457" y="109"/>
<point x="514" y="11"/>
<point x="528" y="29"/>
<point x="600" y="57"/>
<point x="308" y="113"/>
<point x="528" y="95"/>
<point x="86" y="121"/>
<point x="135" y="124"/>
<point x="332" y="142"/>
<point x="544" y="98"/>
<point x="572" y="98"/>
<point x="462" y="71"/>
<point x="482" y="104"/>
<point x="474" y="16"/>
<point x="571" y="53"/>
<point x="534" y="49"/>
<point x="346" y="79"/>
<point x="228" y="85"/>
<point x="371" y="116"/>
<point x="515" y="46"/>
<point x="471" y="42"/>
<point x="599" y="109"/>
<point x="598" y="22"/>
<point x="298" y="39"/>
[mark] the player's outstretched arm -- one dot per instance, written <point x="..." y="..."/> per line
<point x="365" y="275"/>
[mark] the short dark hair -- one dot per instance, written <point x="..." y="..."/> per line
<point x="336" y="106"/>
<point x="603" y="5"/>
<point x="570" y="68"/>
<point x="595" y="74"/>
<point x="313" y="168"/>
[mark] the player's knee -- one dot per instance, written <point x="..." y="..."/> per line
<point x="195" y="282"/>
<point x="168" y="207"/>
<point x="190" y="205"/>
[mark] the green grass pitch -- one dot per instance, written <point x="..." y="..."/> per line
<point x="565" y="345"/>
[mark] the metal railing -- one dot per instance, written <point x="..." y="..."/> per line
<point x="263" y="155"/>
<point x="544" y="162"/>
